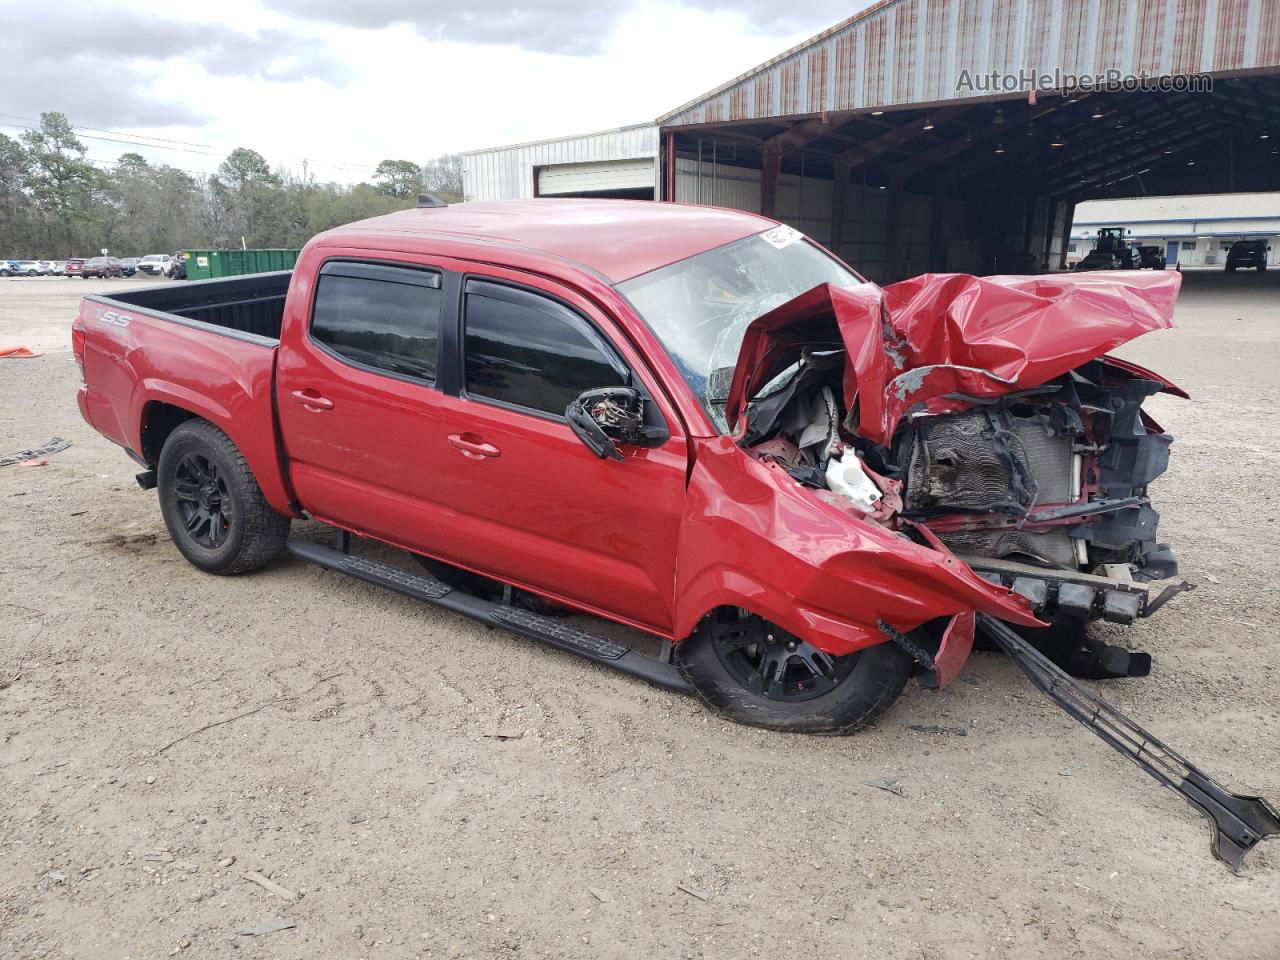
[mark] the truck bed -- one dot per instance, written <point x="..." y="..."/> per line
<point x="252" y="304"/>
<point x="152" y="357"/>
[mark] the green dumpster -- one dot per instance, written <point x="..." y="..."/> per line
<point x="207" y="264"/>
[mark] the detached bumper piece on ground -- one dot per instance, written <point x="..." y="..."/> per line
<point x="56" y="445"/>
<point x="1239" y="823"/>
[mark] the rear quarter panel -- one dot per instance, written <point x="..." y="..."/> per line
<point x="134" y="359"/>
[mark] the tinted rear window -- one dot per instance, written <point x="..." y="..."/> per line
<point x="387" y="318"/>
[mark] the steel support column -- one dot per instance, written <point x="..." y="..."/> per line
<point x="893" y="234"/>
<point x="770" y="167"/>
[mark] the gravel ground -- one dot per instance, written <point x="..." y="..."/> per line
<point x="340" y="740"/>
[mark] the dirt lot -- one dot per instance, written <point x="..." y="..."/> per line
<point x="354" y="760"/>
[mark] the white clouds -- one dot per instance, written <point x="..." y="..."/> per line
<point x="571" y="27"/>
<point x="344" y="90"/>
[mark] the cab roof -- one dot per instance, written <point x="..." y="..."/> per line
<point x="618" y="239"/>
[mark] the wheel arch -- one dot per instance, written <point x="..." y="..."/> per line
<point x="161" y="411"/>
<point x="159" y="420"/>
<point x="730" y="588"/>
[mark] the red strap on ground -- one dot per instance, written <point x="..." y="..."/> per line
<point x="17" y="353"/>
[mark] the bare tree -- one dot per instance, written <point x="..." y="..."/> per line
<point x="443" y="177"/>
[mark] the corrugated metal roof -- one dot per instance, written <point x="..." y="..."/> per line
<point x="610" y="132"/>
<point x="1200" y="208"/>
<point x="508" y="172"/>
<point x="903" y="52"/>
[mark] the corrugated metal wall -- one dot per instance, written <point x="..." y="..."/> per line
<point x="912" y="51"/>
<point x="805" y="203"/>
<point x="507" y="173"/>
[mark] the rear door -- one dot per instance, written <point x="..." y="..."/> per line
<point x="537" y="506"/>
<point x="359" y="412"/>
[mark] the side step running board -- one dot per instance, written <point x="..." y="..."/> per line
<point x="1239" y="823"/>
<point x="525" y="622"/>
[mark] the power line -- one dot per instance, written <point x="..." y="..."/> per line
<point x="118" y="133"/>
<point x="202" y="149"/>
<point x="116" y="163"/>
<point x="133" y="143"/>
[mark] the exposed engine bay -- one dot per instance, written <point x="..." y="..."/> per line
<point x="1040" y="487"/>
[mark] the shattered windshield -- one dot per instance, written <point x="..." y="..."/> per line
<point x="700" y="307"/>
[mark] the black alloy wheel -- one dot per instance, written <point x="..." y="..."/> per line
<point x="771" y="663"/>
<point x="203" y="500"/>
<point x="753" y="671"/>
<point x="212" y="505"/>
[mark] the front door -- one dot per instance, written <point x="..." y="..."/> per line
<point x="1171" y="253"/>
<point x="538" y="507"/>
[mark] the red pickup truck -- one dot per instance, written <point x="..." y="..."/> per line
<point x="689" y="420"/>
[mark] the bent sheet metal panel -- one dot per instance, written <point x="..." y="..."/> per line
<point x="752" y="538"/>
<point x="917" y="341"/>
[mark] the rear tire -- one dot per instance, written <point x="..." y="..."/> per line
<point x="212" y="504"/>
<point x="845" y="695"/>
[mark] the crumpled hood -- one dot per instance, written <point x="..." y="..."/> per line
<point x="938" y="338"/>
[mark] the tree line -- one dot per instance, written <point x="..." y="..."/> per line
<point x="56" y="204"/>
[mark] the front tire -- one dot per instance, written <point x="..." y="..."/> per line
<point x="212" y="504"/>
<point x="752" y="672"/>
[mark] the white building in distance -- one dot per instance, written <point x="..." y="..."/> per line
<point x="1193" y="231"/>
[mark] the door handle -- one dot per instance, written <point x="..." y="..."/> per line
<point x="312" y="400"/>
<point x="472" y="446"/>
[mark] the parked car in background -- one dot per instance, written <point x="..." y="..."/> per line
<point x="57" y="268"/>
<point x="101" y="267"/>
<point x="1150" y="258"/>
<point x="1247" y="253"/>
<point x="129" y="266"/>
<point x="8" y="268"/>
<point x="74" y="267"/>
<point x="29" y="268"/>
<point x="156" y="264"/>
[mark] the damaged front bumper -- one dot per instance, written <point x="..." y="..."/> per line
<point x="1070" y="594"/>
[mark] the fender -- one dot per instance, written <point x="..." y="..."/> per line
<point x="247" y="420"/>
<point x="726" y="585"/>
<point x="831" y="578"/>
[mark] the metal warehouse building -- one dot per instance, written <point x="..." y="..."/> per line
<point x="891" y="138"/>
<point x="609" y="163"/>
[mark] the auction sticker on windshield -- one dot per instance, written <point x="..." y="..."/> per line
<point x="781" y="236"/>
